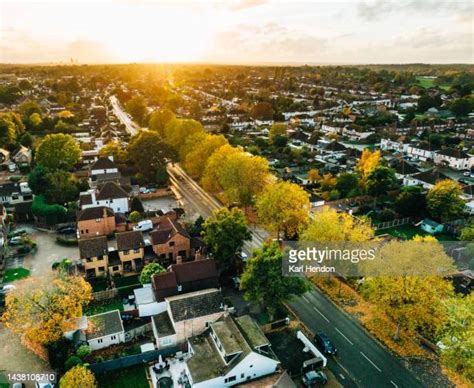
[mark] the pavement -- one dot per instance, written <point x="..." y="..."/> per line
<point x="361" y="360"/>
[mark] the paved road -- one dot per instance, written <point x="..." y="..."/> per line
<point x="361" y="360"/>
<point x="124" y="118"/>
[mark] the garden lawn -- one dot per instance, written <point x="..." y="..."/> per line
<point x="134" y="377"/>
<point x="124" y="281"/>
<point x="102" y="307"/>
<point x="13" y="274"/>
<point x="407" y="232"/>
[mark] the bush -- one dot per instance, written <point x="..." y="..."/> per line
<point x="72" y="361"/>
<point x="83" y="351"/>
<point x="51" y="214"/>
<point x="387" y="215"/>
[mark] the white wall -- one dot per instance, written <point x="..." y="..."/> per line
<point x="103" y="342"/>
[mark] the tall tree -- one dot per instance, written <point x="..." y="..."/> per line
<point x="283" y="207"/>
<point x="347" y="184"/>
<point x="149" y="271"/>
<point x="43" y="309"/>
<point x="159" y="119"/>
<point x="264" y="282"/>
<point x="137" y="108"/>
<point x="58" y="151"/>
<point x="225" y="232"/>
<point x="444" y="200"/>
<point x="195" y="161"/>
<point x="411" y="202"/>
<point x="368" y="162"/>
<point x="177" y="131"/>
<point x="381" y="180"/>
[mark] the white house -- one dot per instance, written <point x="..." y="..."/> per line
<point x="455" y="158"/>
<point x="422" y="150"/>
<point x="387" y="144"/>
<point x="232" y="351"/>
<point x="104" y="329"/>
<point x="427" y="179"/>
<point x="104" y="166"/>
<point x="13" y="193"/>
<point x="109" y="194"/>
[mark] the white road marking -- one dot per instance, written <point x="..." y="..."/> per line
<point x="369" y="360"/>
<point x="341" y="333"/>
<point x="395" y="385"/>
<point x="342" y="376"/>
<point x="305" y="298"/>
<point x="320" y="313"/>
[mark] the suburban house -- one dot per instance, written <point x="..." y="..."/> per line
<point x="315" y="200"/>
<point x="455" y="158"/>
<point x="14" y="193"/>
<point x="110" y="194"/>
<point x="403" y="169"/>
<point x="95" y="221"/>
<point x="170" y="240"/>
<point x="178" y="279"/>
<point x="105" y="170"/>
<point x="186" y="316"/>
<point x="94" y="255"/>
<point x="131" y="250"/>
<point x="427" y="179"/>
<point x="22" y="157"/>
<point x="422" y="150"/>
<point x="232" y="351"/>
<point x="104" y="329"/>
<point x="4" y="158"/>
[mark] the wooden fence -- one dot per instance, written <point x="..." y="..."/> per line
<point x="394" y="223"/>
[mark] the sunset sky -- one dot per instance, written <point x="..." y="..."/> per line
<point x="243" y="31"/>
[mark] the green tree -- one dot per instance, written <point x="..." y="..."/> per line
<point x="444" y="200"/>
<point x="225" y="232"/>
<point x="38" y="180"/>
<point x="347" y="184"/>
<point x="411" y="202"/>
<point x="150" y="154"/>
<point x="159" y="119"/>
<point x="380" y="181"/>
<point x="264" y="282"/>
<point x="134" y="217"/>
<point x="62" y="187"/>
<point x="148" y="271"/>
<point x="177" y="131"/>
<point x="461" y="107"/>
<point x="58" y="151"/>
<point x="137" y="108"/>
<point x="277" y="129"/>
<point x="283" y="207"/>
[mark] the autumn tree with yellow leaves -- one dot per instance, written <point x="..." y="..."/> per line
<point x="283" y="207"/>
<point x="76" y="377"/>
<point x="368" y="162"/>
<point x="43" y="309"/>
<point x="200" y="151"/>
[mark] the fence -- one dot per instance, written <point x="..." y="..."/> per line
<point x="137" y="331"/>
<point x="105" y="295"/>
<point x="391" y="224"/>
<point x="136" y="359"/>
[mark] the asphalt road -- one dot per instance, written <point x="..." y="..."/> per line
<point x="124" y="118"/>
<point x="361" y="360"/>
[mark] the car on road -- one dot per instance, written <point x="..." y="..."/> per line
<point x="16" y="233"/>
<point x="323" y="342"/>
<point x="314" y="378"/>
<point x="466" y="173"/>
<point x="15" y="241"/>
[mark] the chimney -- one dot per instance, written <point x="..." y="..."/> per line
<point x="104" y="212"/>
<point x="179" y="260"/>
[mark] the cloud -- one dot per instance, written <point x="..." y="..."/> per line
<point x="239" y="5"/>
<point x="379" y="9"/>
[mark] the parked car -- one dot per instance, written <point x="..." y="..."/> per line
<point x="15" y="241"/>
<point x="314" y="378"/>
<point x="67" y="230"/>
<point x="16" y="233"/>
<point x="323" y="342"/>
<point x="11" y="167"/>
<point x="144" y="226"/>
<point x="466" y="173"/>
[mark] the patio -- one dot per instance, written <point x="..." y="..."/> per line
<point x="173" y="374"/>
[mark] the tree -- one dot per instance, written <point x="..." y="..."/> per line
<point x="159" y="119"/>
<point x="42" y="309"/>
<point x="148" y="271"/>
<point x="79" y="376"/>
<point x="347" y="184"/>
<point x="262" y="111"/>
<point x="411" y="202"/>
<point x="458" y="336"/>
<point x="264" y="282"/>
<point x="58" y="151"/>
<point x="38" y="180"/>
<point x="137" y="205"/>
<point x="329" y="225"/>
<point x="177" y="131"/>
<point x="150" y="154"/>
<point x="444" y="200"/>
<point x="328" y="182"/>
<point x="426" y="102"/>
<point x="134" y="217"/>
<point x="35" y="120"/>
<point x="313" y="175"/>
<point x="461" y="107"/>
<point x="116" y="149"/>
<point x="283" y="207"/>
<point x="368" y="162"/>
<point x="277" y="129"/>
<point x="195" y="161"/>
<point x="407" y="284"/>
<point x="61" y="188"/>
<point x="225" y="232"/>
<point x="380" y="181"/>
<point x="137" y="108"/>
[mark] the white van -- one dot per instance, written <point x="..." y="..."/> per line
<point x="144" y="226"/>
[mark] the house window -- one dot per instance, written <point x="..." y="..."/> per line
<point x="166" y="341"/>
<point x="99" y="341"/>
<point x="230" y="379"/>
<point x="111" y="200"/>
<point x="98" y="219"/>
<point x="100" y="257"/>
<point x="171" y="244"/>
<point x="101" y="269"/>
<point x="115" y="268"/>
<point x="136" y="250"/>
<point x="113" y="337"/>
<point x="242" y="375"/>
<point x="126" y="252"/>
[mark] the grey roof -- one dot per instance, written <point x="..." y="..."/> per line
<point x="111" y="190"/>
<point x="130" y="240"/>
<point x="85" y="199"/>
<point x="163" y="324"/>
<point x="93" y="247"/>
<point x="454" y="153"/>
<point x="431" y="176"/>
<point x="7" y="189"/>
<point x="94" y="213"/>
<point x="251" y="331"/>
<point x="103" y="163"/>
<point x="104" y="324"/>
<point x="195" y="304"/>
